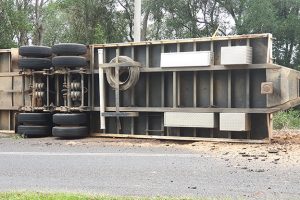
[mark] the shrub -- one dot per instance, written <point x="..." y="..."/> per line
<point x="289" y="119"/>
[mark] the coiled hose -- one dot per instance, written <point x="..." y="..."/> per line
<point x="132" y="69"/>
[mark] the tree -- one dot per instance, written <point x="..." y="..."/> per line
<point x="48" y="22"/>
<point x="38" y="21"/>
<point x="280" y="17"/>
<point x="15" y="23"/>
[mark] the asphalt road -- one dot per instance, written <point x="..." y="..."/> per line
<point x="134" y="169"/>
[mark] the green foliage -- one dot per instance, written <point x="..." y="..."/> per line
<point x="280" y="17"/>
<point x="14" y="23"/>
<point x="62" y="196"/>
<point x="107" y="21"/>
<point x="93" y="21"/>
<point x="264" y="20"/>
<point x="287" y="119"/>
<point x="55" y="26"/>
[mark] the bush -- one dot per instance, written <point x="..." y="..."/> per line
<point x="289" y="119"/>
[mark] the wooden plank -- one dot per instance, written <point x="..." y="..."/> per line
<point x="9" y="107"/>
<point x="9" y="74"/>
<point x="178" y="138"/>
<point x="210" y="68"/>
<point x="189" y="40"/>
<point x="5" y="50"/>
<point x="7" y="132"/>
<point x="192" y="109"/>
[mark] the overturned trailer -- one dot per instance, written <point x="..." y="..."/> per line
<point x="218" y="88"/>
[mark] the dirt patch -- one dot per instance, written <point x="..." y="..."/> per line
<point x="284" y="149"/>
<point x="286" y="136"/>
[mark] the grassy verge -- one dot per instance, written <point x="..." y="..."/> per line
<point x="289" y="119"/>
<point x="65" y="196"/>
<point x="54" y="196"/>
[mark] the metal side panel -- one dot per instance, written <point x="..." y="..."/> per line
<point x="187" y="59"/>
<point x="236" y="55"/>
<point x="285" y="84"/>
<point x="234" y="122"/>
<point x="183" y="119"/>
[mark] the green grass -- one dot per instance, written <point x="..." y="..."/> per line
<point x="70" y="196"/>
<point x="289" y="119"/>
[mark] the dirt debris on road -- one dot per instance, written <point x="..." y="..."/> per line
<point x="285" y="149"/>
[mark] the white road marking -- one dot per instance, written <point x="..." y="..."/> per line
<point x="100" y="154"/>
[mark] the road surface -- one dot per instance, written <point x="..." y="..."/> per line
<point x="149" y="168"/>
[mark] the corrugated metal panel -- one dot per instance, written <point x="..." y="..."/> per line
<point x="187" y="59"/>
<point x="235" y="55"/>
<point x="235" y="122"/>
<point x="181" y="119"/>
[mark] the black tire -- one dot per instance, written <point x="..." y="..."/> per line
<point x="35" y="118"/>
<point x="34" y="131"/>
<point x="35" y="51"/>
<point x="69" y="132"/>
<point x="35" y="63"/>
<point x="69" y="49"/>
<point x="70" y="118"/>
<point x="69" y="61"/>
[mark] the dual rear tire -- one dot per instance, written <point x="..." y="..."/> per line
<point x="70" y="125"/>
<point x="34" y="124"/>
<point x="69" y="55"/>
<point x="35" y="57"/>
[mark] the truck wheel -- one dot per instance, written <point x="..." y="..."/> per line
<point x="70" y="118"/>
<point x="69" y="132"/>
<point x="34" y="131"/>
<point x="69" y="49"/>
<point x="69" y="61"/>
<point x="35" y="51"/>
<point x="35" y="118"/>
<point x="35" y="63"/>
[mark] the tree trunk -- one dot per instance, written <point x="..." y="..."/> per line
<point x="145" y="25"/>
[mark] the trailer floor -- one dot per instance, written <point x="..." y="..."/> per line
<point x="130" y="167"/>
